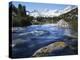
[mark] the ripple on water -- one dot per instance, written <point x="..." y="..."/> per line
<point x="33" y="37"/>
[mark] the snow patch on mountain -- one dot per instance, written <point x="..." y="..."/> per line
<point x="51" y="13"/>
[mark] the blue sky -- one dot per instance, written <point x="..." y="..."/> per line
<point x="40" y="6"/>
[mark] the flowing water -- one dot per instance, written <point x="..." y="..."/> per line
<point x="26" y="40"/>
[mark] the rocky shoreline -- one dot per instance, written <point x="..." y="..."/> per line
<point x="69" y="46"/>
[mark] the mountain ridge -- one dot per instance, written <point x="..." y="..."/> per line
<point x="51" y="13"/>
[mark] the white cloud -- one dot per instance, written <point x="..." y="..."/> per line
<point x="46" y="13"/>
<point x="51" y="13"/>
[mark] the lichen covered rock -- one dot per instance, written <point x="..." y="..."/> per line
<point x="44" y="51"/>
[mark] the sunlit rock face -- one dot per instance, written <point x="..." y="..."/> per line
<point x="65" y="25"/>
<point x="62" y="23"/>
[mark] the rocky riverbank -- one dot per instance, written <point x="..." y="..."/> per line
<point x="66" y="47"/>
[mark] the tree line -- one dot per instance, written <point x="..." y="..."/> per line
<point x="19" y="16"/>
